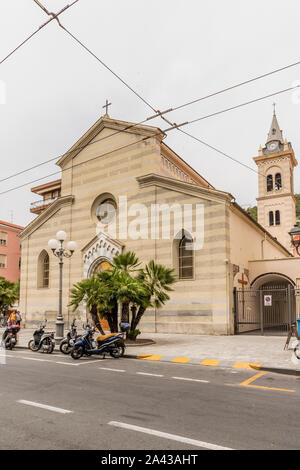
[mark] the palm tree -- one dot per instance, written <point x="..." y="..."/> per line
<point x="126" y="262"/>
<point x="88" y="291"/>
<point x="108" y="298"/>
<point x="157" y="281"/>
<point x="9" y="294"/>
<point x="128" y="290"/>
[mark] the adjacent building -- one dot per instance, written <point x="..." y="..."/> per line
<point x="10" y="251"/>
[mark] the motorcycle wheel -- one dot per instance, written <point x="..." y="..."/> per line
<point x="8" y="344"/>
<point x="32" y="346"/>
<point x="117" y="351"/>
<point x="47" y="346"/>
<point x="297" y="352"/>
<point x="77" y="352"/>
<point x="64" y="347"/>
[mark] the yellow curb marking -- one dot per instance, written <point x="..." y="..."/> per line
<point x="246" y="365"/>
<point x="181" y="359"/>
<point x="247" y="383"/>
<point x="210" y="362"/>
<point x="151" y="358"/>
<point x="143" y="356"/>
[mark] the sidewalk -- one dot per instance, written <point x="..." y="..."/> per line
<point x="225" y="351"/>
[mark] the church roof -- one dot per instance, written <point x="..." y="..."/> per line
<point x="108" y="123"/>
<point x="275" y="133"/>
<point x="133" y="128"/>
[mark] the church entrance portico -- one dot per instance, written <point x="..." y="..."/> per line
<point x="98" y="251"/>
<point x="98" y="256"/>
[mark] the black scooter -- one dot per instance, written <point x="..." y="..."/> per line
<point x="42" y="341"/>
<point x="112" y="344"/>
<point x="9" y="337"/>
<point x="67" y="343"/>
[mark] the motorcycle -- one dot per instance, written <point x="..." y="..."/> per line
<point x="9" y="337"/>
<point x="112" y="344"/>
<point x="42" y="341"/>
<point x="72" y="337"/>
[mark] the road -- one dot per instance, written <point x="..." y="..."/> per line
<point x="54" y="402"/>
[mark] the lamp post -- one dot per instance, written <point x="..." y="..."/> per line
<point x="60" y="252"/>
<point x="295" y="238"/>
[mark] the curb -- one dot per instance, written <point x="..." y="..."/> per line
<point x="205" y="362"/>
<point x="216" y="363"/>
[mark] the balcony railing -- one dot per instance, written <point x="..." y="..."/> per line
<point x="42" y="203"/>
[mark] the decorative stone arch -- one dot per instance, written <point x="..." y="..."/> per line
<point x="272" y="169"/>
<point x="101" y="248"/>
<point x="96" y="263"/>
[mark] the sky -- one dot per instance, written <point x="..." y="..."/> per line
<point x="170" y="52"/>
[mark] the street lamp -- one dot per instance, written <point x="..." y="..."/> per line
<point x="56" y="245"/>
<point x="295" y="238"/>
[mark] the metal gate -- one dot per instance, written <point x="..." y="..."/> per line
<point x="268" y="310"/>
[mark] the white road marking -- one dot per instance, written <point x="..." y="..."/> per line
<point x="35" y="359"/>
<point x="46" y="407"/>
<point x="153" y="375"/>
<point x="28" y="351"/>
<point x="114" y="370"/>
<point x="166" y="435"/>
<point x="191" y="380"/>
<point x="66" y="363"/>
<point x="89" y="362"/>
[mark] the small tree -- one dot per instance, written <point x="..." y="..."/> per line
<point x="87" y="291"/>
<point x="9" y="294"/>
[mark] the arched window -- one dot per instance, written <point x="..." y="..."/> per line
<point x="277" y="218"/>
<point x="186" y="257"/>
<point x="270" y="183"/>
<point x="278" y="183"/>
<point x="271" y="218"/>
<point x="43" y="270"/>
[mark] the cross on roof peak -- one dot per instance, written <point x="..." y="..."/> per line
<point x="107" y="104"/>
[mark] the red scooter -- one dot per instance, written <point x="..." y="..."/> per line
<point x="9" y="337"/>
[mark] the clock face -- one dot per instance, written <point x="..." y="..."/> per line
<point x="272" y="146"/>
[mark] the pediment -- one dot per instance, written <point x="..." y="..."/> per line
<point x="107" y="123"/>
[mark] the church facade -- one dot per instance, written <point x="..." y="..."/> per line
<point x="161" y="209"/>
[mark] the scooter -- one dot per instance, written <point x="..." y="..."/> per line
<point x="112" y="344"/>
<point x="9" y="337"/>
<point x="42" y="341"/>
<point x="67" y="343"/>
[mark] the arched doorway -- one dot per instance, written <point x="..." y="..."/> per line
<point x="99" y="265"/>
<point x="268" y="307"/>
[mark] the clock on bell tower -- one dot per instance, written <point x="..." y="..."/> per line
<point x="276" y="204"/>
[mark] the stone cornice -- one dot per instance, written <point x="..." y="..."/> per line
<point x="275" y="196"/>
<point x="105" y="122"/>
<point x="46" y="214"/>
<point x="266" y="158"/>
<point x="183" y="187"/>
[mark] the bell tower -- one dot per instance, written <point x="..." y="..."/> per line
<point x="276" y="204"/>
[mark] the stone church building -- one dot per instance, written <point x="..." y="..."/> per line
<point x="162" y="210"/>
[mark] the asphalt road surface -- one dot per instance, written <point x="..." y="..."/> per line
<point x="54" y="402"/>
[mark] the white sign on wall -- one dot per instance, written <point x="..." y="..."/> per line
<point x="268" y="300"/>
